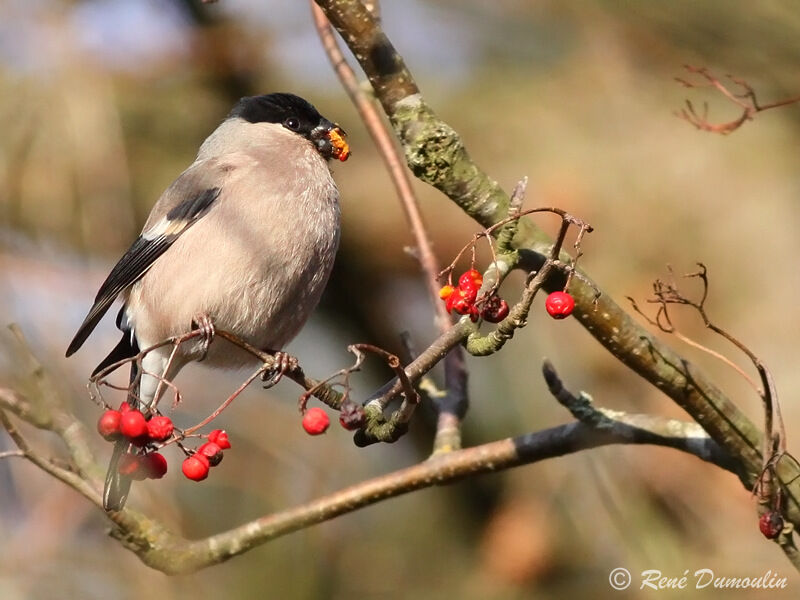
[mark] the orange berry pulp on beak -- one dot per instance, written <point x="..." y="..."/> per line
<point x="341" y="149"/>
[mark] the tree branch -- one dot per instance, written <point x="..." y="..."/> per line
<point x="436" y="154"/>
<point x="166" y="552"/>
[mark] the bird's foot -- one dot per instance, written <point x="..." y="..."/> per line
<point x="283" y="364"/>
<point x="203" y="323"/>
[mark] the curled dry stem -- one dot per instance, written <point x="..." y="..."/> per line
<point x="666" y="294"/>
<point x="745" y="99"/>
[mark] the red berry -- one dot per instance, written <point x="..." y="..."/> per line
<point x="125" y="407"/>
<point x="771" y="524"/>
<point x="461" y="301"/>
<point x="128" y="464"/>
<point x="469" y="292"/>
<point x="132" y="424"/>
<point x="212" y="452"/>
<point x="160" y="428"/>
<point x="108" y="425"/>
<point x="131" y="465"/>
<point x="495" y="310"/>
<point x="470" y="280"/>
<point x="315" y="421"/>
<point x="474" y="313"/>
<point x="559" y="305"/>
<point x="155" y="465"/>
<point x="220" y="438"/>
<point x="195" y="467"/>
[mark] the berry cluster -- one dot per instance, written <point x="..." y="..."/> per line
<point x="129" y="423"/>
<point x="132" y="424"/>
<point x="149" y="435"/>
<point x="463" y="299"/>
<point x="196" y="466"/>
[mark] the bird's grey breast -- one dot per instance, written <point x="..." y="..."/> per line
<point x="258" y="261"/>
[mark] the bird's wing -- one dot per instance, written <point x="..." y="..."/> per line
<point x="186" y="201"/>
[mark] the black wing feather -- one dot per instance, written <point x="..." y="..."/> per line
<point x="139" y="258"/>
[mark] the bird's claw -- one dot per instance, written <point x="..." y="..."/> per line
<point x="284" y="363"/>
<point x="203" y="323"/>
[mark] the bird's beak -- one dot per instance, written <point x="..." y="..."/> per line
<point x="331" y="141"/>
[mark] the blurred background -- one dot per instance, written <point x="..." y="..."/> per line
<point x="104" y="102"/>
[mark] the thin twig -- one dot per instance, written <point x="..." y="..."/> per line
<point x="388" y="151"/>
<point x="253" y="376"/>
<point x="456" y="400"/>
<point x="12" y="453"/>
<point x="746" y="100"/>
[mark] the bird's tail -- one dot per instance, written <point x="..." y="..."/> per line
<point x="115" y="493"/>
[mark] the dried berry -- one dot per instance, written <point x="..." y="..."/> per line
<point x="108" y="425"/>
<point x="212" y="452"/>
<point x="195" y="467"/>
<point x="132" y="424"/>
<point x="160" y="428"/>
<point x="559" y="305"/>
<point x="315" y="421"/>
<point x="220" y="438"/>
<point x="495" y="309"/>
<point x="352" y="416"/>
<point x="155" y="465"/>
<point x="771" y="524"/>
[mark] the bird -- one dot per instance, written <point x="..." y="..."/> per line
<point x="243" y="240"/>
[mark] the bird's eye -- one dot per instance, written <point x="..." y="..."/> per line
<point x="292" y="123"/>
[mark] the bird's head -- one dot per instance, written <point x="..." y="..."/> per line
<point x="298" y="116"/>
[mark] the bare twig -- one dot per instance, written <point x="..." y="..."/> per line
<point x="76" y="480"/>
<point x="391" y="157"/>
<point x="774" y="442"/>
<point x="11" y="453"/>
<point x="746" y="100"/>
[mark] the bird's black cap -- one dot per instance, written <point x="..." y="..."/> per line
<point x="297" y="115"/>
<point x="278" y="108"/>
